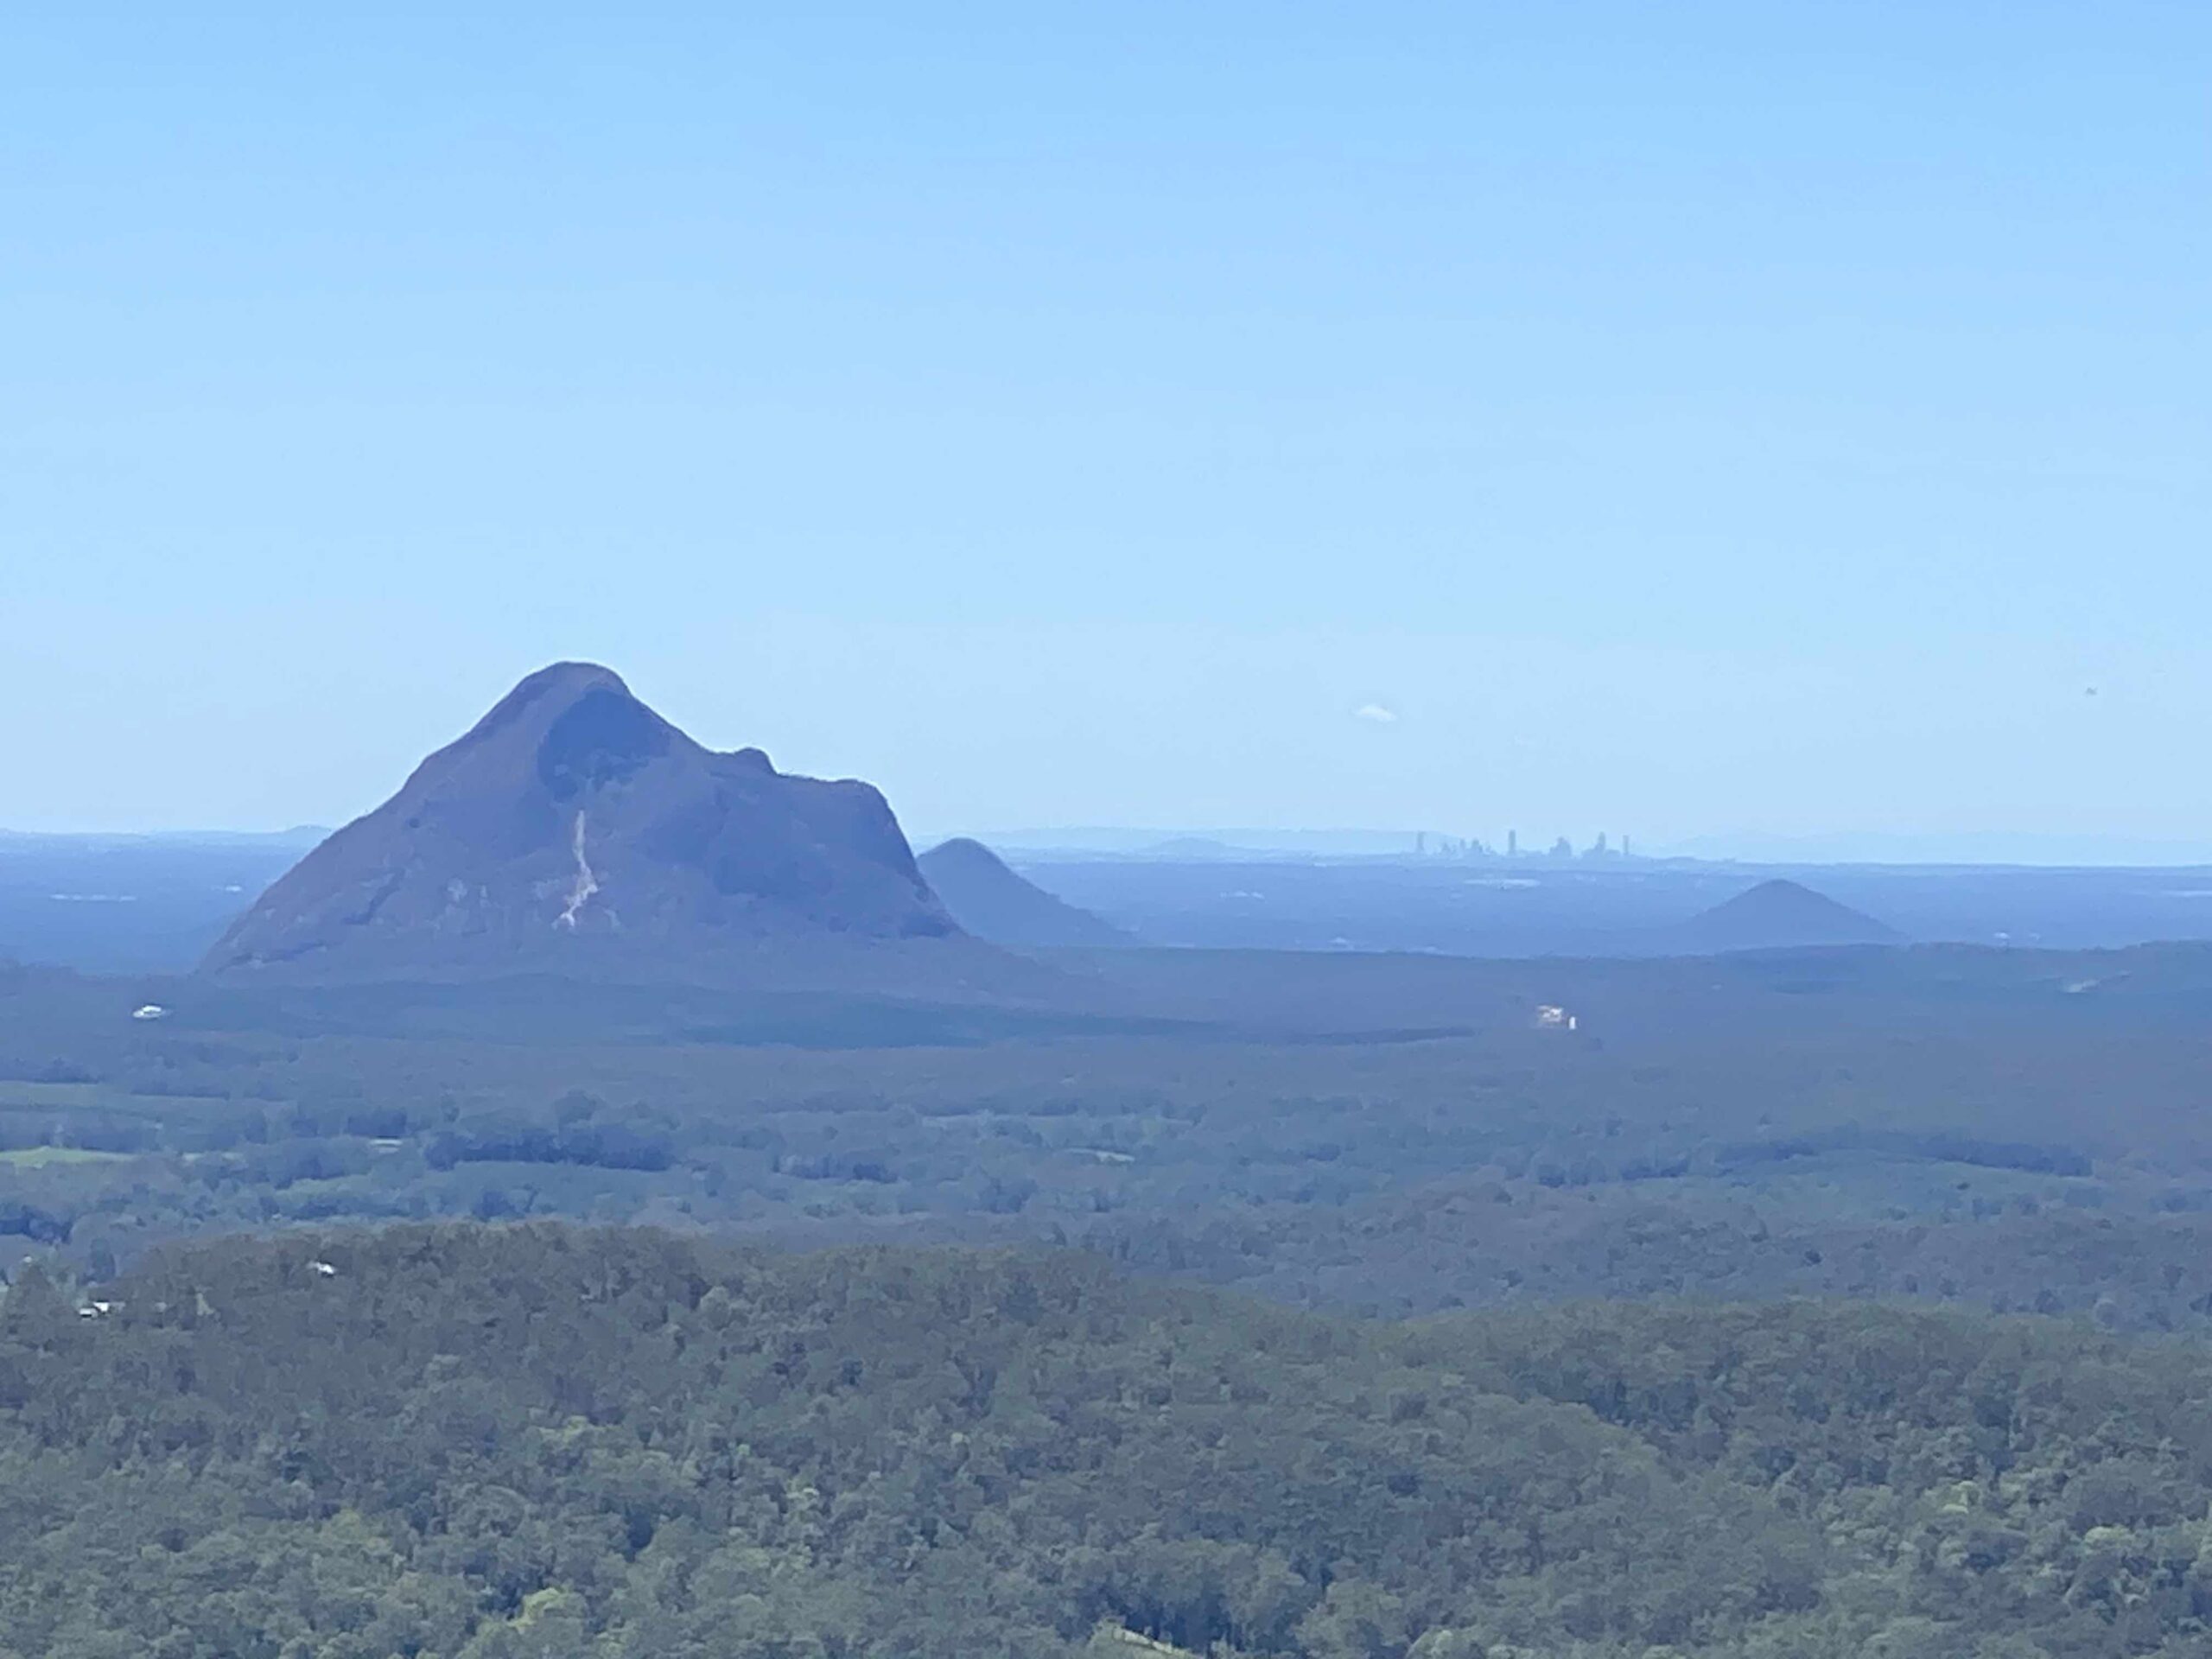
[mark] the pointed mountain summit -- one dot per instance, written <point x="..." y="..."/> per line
<point x="1780" y="915"/>
<point x="574" y="824"/>
<point x="990" y="901"/>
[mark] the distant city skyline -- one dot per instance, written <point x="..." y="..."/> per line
<point x="1994" y="848"/>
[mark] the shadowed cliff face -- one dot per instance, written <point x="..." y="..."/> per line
<point x="572" y="824"/>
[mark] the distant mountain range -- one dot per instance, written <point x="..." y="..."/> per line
<point x="572" y="830"/>
<point x="572" y="825"/>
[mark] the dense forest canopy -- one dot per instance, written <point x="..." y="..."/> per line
<point x="539" y="1441"/>
<point x="252" y="1406"/>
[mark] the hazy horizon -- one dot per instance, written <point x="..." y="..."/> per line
<point x="1994" y="849"/>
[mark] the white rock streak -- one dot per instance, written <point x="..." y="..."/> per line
<point x="587" y="883"/>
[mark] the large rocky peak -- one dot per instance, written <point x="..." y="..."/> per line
<point x="571" y="819"/>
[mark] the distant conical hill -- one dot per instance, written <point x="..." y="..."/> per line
<point x="1779" y="915"/>
<point x="572" y="824"/>
<point x="990" y="901"/>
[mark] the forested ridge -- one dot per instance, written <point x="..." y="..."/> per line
<point x="538" y="1440"/>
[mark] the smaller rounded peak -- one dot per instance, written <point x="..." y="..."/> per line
<point x="963" y="847"/>
<point x="1781" y="890"/>
<point x="1780" y="912"/>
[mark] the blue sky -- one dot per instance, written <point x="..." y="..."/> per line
<point x="1687" y="420"/>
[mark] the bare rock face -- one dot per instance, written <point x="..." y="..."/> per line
<point x="572" y="824"/>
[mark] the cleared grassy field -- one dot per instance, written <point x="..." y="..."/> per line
<point x="46" y="1157"/>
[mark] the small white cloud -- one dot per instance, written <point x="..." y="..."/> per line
<point x="1375" y="714"/>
